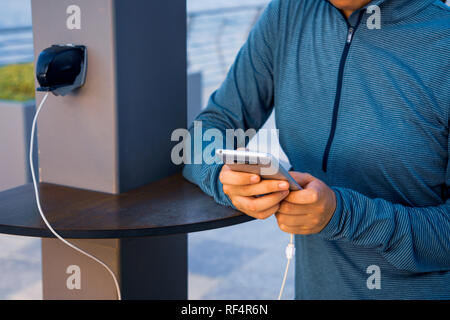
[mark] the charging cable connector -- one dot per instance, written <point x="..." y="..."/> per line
<point x="290" y="252"/>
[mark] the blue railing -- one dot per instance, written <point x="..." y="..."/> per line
<point x="214" y="39"/>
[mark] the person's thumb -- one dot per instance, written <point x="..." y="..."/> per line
<point x="302" y="178"/>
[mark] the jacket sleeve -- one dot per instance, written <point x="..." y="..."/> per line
<point x="243" y="101"/>
<point x="415" y="239"/>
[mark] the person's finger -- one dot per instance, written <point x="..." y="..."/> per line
<point x="296" y="209"/>
<point x="302" y="178"/>
<point x="309" y="195"/>
<point x="254" y="205"/>
<point x="228" y="176"/>
<point x="267" y="213"/>
<point x="295" y="230"/>
<point x="296" y="221"/>
<point x="264" y="187"/>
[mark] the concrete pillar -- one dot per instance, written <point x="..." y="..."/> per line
<point x="113" y="134"/>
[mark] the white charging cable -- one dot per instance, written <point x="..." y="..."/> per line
<point x="38" y="201"/>
<point x="290" y="252"/>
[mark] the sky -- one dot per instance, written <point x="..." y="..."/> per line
<point x="14" y="13"/>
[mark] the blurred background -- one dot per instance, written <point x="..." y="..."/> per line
<point x="240" y="262"/>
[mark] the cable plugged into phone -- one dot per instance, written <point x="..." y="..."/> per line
<point x="61" y="69"/>
<point x="258" y="163"/>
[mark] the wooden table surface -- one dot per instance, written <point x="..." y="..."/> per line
<point x="170" y="206"/>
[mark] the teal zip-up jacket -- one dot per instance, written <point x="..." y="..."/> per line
<point x="367" y="111"/>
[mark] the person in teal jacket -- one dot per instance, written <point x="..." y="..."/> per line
<point x="361" y="93"/>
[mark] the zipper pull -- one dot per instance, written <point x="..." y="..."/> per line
<point x="350" y="33"/>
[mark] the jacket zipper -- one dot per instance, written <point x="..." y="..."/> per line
<point x="350" y="33"/>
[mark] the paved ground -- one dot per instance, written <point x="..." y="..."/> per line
<point x="240" y="262"/>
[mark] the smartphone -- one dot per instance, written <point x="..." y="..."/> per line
<point x="262" y="164"/>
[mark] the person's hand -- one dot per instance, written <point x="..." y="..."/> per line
<point x="242" y="187"/>
<point x="307" y="211"/>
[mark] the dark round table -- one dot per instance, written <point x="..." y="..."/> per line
<point x="170" y="206"/>
<point x="141" y="234"/>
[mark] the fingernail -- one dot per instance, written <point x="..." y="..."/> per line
<point x="283" y="185"/>
<point x="254" y="179"/>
